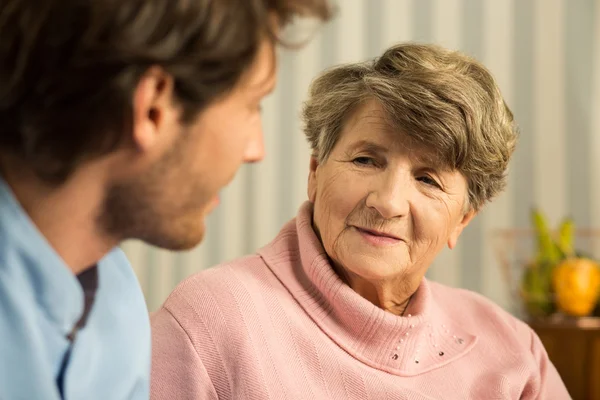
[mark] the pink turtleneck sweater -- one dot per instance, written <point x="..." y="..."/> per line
<point x="281" y="325"/>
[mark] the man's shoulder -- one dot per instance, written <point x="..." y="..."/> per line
<point x="119" y="323"/>
<point x="119" y="286"/>
<point x="117" y="276"/>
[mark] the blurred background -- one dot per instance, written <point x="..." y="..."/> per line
<point x="545" y="55"/>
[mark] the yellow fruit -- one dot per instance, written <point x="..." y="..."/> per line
<point x="576" y="283"/>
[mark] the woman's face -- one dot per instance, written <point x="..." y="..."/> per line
<point x="382" y="208"/>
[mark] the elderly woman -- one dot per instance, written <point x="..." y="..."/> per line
<point x="406" y="150"/>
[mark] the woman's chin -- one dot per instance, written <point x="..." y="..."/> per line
<point x="372" y="270"/>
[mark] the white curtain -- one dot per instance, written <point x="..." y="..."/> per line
<point x="545" y="55"/>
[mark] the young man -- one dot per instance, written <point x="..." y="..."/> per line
<point x="118" y="119"/>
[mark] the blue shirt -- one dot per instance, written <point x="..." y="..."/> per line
<point x="41" y="301"/>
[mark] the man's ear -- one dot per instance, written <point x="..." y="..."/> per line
<point x="153" y="107"/>
<point x="312" y="178"/>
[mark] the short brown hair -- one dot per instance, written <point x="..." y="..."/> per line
<point x="441" y="99"/>
<point x="68" y="68"/>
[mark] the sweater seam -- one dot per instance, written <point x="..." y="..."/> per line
<point x="187" y="335"/>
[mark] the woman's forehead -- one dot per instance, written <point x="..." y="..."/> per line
<point x="370" y="129"/>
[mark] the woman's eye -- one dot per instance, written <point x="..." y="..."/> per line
<point x="363" y="161"/>
<point x="426" y="179"/>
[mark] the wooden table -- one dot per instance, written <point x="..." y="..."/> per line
<point x="573" y="345"/>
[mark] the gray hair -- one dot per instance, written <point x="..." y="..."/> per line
<point x="440" y="99"/>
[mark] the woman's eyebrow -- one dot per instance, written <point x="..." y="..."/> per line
<point x="369" y="145"/>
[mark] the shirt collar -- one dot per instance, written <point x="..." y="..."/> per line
<point x="28" y="259"/>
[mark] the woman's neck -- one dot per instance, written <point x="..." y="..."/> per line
<point x="392" y="295"/>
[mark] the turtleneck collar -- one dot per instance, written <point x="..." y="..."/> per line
<point x="421" y="340"/>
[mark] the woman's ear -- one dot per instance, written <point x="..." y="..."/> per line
<point x="312" y="179"/>
<point x="467" y="217"/>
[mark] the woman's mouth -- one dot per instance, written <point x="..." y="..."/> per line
<point x="378" y="238"/>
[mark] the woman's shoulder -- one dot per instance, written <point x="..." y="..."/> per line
<point x="226" y="294"/>
<point x="214" y="282"/>
<point x="229" y="302"/>
<point x="495" y="327"/>
<point x="471" y="308"/>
